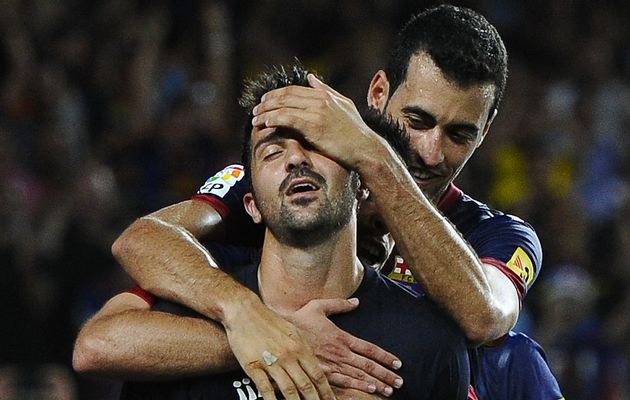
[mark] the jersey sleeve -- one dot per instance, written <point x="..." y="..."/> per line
<point x="515" y="369"/>
<point x="225" y="190"/>
<point x="531" y="377"/>
<point x="511" y="245"/>
<point x="143" y="294"/>
<point x="452" y="379"/>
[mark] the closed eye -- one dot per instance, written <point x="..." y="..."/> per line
<point x="462" y="136"/>
<point x="419" y="123"/>
<point x="271" y="151"/>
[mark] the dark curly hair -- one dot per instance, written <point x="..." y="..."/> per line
<point x="280" y="76"/>
<point x="274" y="78"/>
<point x="461" y="42"/>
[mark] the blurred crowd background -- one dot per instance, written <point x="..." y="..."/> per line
<point x="112" y="109"/>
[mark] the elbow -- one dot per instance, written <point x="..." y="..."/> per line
<point x="123" y="245"/>
<point x="477" y="334"/>
<point x="486" y="327"/>
<point x="89" y="355"/>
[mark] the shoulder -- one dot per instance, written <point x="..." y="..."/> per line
<point x="415" y="312"/>
<point x="469" y="214"/>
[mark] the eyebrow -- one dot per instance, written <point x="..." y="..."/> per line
<point x="430" y="118"/>
<point x="271" y="137"/>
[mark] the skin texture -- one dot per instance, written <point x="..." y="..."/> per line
<point x="446" y="124"/>
<point x="251" y="327"/>
<point x="318" y="267"/>
<point x="479" y="297"/>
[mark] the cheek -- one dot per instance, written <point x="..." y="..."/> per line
<point x="456" y="156"/>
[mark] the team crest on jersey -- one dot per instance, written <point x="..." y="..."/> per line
<point x="221" y="182"/>
<point x="401" y="273"/>
<point x="522" y="265"/>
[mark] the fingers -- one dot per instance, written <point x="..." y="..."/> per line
<point x="339" y="379"/>
<point x="318" y="84"/>
<point x="295" y="380"/>
<point x="366" y="371"/>
<point x="373" y="352"/>
<point x="264" y="386"/>
<point x="333" y="306"/>
<point x="286" y="117"/>
<point x="298" y="97"/>
<point x="317" y="376"/>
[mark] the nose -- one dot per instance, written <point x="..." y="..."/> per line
<point x="296" y="156"/>
<point x="428" y="145"/>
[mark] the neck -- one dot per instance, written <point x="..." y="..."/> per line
<point x="290" y="277"/>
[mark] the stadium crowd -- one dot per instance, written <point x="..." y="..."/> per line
<point x="113" y="109"/>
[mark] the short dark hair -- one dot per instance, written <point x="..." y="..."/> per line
<point x="390" y="130"/>
<point x="274" y="78"/>
<point x="281" y="76"/>
<point x="462" y="44"/>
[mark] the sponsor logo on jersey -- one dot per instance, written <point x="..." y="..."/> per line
<point x="221" y="182"/>
<point x="522" y="265"/>
<point x="245" y="391"/>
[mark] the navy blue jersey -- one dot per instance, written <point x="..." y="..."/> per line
<point x="515" y="369"/>
<point x="502" y="240"/>
<point x="431" y="347"/>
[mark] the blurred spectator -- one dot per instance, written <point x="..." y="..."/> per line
<point x="113" y="109"/>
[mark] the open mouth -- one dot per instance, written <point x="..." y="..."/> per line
<point x="300" y="186"/>
<point x="423" y="176"/>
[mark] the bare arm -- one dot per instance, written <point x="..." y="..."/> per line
<point x="162" y="253"/>
<point x="480" y="298"/>
<point x="126" y="340"/>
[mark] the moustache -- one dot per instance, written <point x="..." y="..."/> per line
<point x="301" y="172"/>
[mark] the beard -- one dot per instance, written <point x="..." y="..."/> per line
<point x="300" y="228"/>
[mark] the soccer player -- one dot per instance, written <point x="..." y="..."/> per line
<point x="444" y="82"/>
<point x="308" y="204"/>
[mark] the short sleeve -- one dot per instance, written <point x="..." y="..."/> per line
<point x="512" y="246"/>
<point x="225" y="190"/>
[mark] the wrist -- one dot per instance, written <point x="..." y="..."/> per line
<point x="375" y="158"/>
<point x="236" y="305"/>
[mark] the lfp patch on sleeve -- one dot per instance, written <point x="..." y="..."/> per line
<point x="221" y="182"/>
<point x="521" y="265"/>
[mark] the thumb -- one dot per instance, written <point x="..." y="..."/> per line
<point x="335" y="306"/>
<point x="316" y="83"/>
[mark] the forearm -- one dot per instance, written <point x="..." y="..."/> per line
<point x="440" y="259"/>
<point x="168" y="261"/>
<point x="143" y="345"/>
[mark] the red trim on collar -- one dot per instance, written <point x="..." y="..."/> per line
<point x="449" y="197"/>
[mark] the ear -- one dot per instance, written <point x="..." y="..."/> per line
<point x="486" y="127"/>
<point x="378" y="92"/>
<point x="252" y="208"/>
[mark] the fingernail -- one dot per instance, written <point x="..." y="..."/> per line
<point x="397" y="364"/>
<point x="398" y="383"/>
<point x="255" y="110"/>
<point x="262" y="98"/>
<point x="353" y="300"/>
<point x="371" y="388"/>
<point x="388" y="391"/>
<point x="254" y="120"/>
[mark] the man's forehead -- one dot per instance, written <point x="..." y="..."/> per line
<point x="426" y="88"/>
<point x="273" y="134"/>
